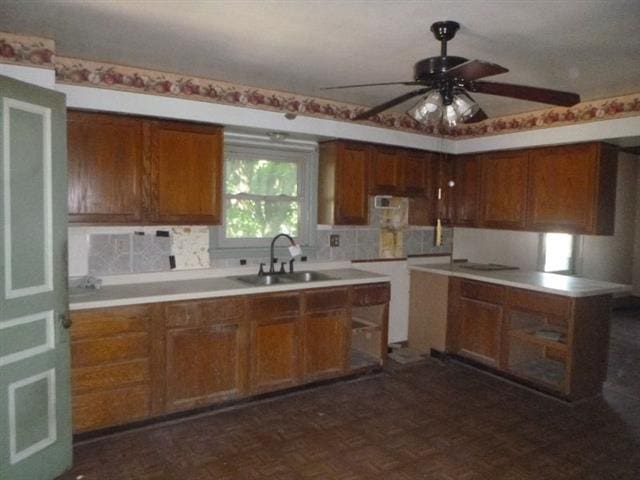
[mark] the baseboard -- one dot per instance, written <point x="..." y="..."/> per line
<point x="627" y="301"/>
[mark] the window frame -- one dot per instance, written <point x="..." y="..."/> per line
<point x="573" y="261"/>
<point x="304" y="154"/>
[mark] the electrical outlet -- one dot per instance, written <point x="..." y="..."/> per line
<point x="334" y="240"/>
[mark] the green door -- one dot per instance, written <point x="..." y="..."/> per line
<point x="35" y="413"/>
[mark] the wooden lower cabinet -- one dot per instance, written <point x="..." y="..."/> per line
<point x="475" y="316"/>
<point x="556" y="343"/>
<point x="325" y="344"/>
<point x="111" y="367"/>
<point x="205" y="364"/>
<point x="326" y="332"/>
<point x="133" y="363"/>
<point x="206" y="352"/>
<point x="480" y="330"/>
<point x="275" y="341"/>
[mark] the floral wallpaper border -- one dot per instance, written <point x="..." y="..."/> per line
<point x="35" y="51"/>
<point x="27" y="50"/>
<point x="105" y="75"/>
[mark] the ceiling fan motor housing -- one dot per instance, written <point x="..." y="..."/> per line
<point x="431" y="68"/>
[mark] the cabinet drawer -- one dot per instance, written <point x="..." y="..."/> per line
<point x="113" y="407"/>
<point x="107" y="377"/>
<point x="540" y="302"/>
<point x="273" y="306"/>
<point x="108" y="322"/>
<point x="200" y="313"/>
<point x="326" y="299"/>
<point x="370" y="295"/>
<point x="109" y="350"/>
<point x="482" y="291"/>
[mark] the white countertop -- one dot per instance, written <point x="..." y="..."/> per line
<point x="168" y="291"/>
<point x="542" y="282"/>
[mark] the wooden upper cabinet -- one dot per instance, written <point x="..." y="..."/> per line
<point x="416" y="173"/>
<point x="422" y="205"/>
<point x="466" y="191"/>
<point x="504" y="189"/>
<point x="386" y="173"/>
<point x="397" y="171"/>
<point x="342" y="183"/>
<point x="105" y="155"/>
<point x="133" y="170"/>
<point x="572" y="189"/>
<point x="186" y="172"/>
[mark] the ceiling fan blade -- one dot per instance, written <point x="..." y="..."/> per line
<point x="475" y="69"/>
<point x="478" y="117"/>
<point x="533" y="94"/>
<point x="369" y="85"/>
<point x="391" y="103"/>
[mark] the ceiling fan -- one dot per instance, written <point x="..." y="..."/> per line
<point x="446" y="80"/>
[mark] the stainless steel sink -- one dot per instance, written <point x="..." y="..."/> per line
<point x="307" y="277"/>
<point x="278" y="278"/>
<point x="258" y="279"/>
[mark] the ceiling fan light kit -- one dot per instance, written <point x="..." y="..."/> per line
<point x="433" y="109"/>
<point x="446" y="80"/>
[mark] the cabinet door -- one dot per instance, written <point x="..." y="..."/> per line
<point x="351" y="201"/>
<point x="466" y="192"/>
<point x="186" y="173"/>
<point x="386" y="175"/>
<point x="563" y="189"/>
<point x="325" y="343"/>
<point x="422" y="206"/>
<point x="275" y="347"/>
<point x="275" y="341"/>
<point x="326" y="332"/>
<point x="105" y="168"/>
<point x="504" y="189"/>
<point x="480" y="330"/>
<point x="415" y="172"/>
<point x="205" y="364"/>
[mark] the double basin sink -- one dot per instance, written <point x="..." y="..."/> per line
<point x="280" y="278"/>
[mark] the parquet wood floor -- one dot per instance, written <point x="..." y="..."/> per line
<point x="430" y="420"/>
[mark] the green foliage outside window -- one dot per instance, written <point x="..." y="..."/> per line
<point x="261" y="198"/>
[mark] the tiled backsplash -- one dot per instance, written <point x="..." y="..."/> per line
<point x="103" y="251"/>
<point x="97" y="251"/>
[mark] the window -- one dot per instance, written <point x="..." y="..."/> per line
<point x="558" y="253"/>
<point x="266" y="192"/>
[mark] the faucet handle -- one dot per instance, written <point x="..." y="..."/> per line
<point x="291" y="265"/>
<point x="261" y="270"/>
<point x="282" y="264"/>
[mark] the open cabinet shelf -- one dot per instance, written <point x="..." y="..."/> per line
<point x="538" y="337"/>
<point x="369" y="319"/>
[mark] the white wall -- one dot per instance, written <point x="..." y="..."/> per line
<point x="612" y="258"/>
<point x="507" y="247"/>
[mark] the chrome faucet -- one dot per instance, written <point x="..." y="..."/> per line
<point x="272" y="257"/>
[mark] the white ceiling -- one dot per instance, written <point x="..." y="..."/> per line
<point x="587" y="46"/>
